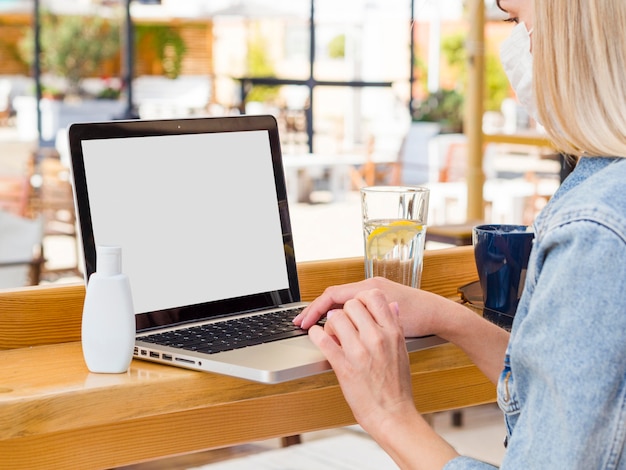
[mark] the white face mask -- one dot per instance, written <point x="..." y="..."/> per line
<point x="517" y="61"/>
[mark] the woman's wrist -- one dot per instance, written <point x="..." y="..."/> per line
<point x="434" y="314"/>
<point x="411" y="442"/>
<point x="454" y="322"/>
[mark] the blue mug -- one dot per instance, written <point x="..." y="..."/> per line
<point x="502" y="252"/>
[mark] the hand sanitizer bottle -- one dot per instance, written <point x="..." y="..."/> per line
<point x="108" y="326"/>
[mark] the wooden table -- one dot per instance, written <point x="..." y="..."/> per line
<point x="55" y="414"/>
<point x="532" y="138"/>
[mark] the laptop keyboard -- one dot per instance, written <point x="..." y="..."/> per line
<point x="232" y="334"/>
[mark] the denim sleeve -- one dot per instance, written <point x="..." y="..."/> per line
<point x="466" y="463"/>
<point x="568" y="354"/>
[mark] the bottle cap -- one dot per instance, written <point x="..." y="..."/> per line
<point x="109" y="260"/>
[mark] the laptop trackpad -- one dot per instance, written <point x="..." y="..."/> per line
<point x="277" y="354"/>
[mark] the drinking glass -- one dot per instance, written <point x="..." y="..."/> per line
<point x="394" y="228"/>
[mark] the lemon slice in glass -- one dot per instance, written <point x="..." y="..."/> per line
<point x="385" y="238"/>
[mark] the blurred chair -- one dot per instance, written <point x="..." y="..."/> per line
<point x="55" y="204"/>
<point x="15" y="192"/>
<point x="5" y="101"/>
<point x="378" y="168"/>
<point x="20" y="250"/>
<point x="454" y="167"/>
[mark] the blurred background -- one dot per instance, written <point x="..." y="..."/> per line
<point x="365" y="92"/>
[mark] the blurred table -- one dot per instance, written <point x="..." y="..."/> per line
<point x="338" y="170"/>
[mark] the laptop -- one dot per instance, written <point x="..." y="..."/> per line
<point x="199" y="208"/>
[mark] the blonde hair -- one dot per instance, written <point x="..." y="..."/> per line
<point x="579" y="53"/>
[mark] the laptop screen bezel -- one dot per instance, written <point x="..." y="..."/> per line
<point x="81" y="132"/>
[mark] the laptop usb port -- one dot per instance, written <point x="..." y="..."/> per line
<point x="144" y="352"/>
<point x="167" y="357"/>
<point x="154" y="354"/>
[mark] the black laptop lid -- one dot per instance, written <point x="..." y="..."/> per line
<point x="199" y="207"/>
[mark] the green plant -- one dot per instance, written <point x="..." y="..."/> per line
<point x="168" y="44"/>
<point x="337" y="47"/>
<point x="52" y="92"/>
<point x="496" y="82"/>
<point x="109" y="92"/>
<point x="73" y="47"/>
<point x="444" y="107"/>
<point x="259" y="65"/>
<point x="454" y="50"/>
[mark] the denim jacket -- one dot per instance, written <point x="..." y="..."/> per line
<point x="563" y="386"/>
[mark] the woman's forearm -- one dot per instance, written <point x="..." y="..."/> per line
<point x="484" y="342"/>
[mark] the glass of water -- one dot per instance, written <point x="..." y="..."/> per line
<point x="394" y="228"/>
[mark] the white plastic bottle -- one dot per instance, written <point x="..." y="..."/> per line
<point x="108" y="325"/>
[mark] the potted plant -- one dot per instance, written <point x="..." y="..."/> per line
<point x="444" y="107"/>
<point x="73" y="47"/>
<point x="111" y="91"/>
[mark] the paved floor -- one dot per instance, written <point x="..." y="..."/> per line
<point x="327" y="230"/>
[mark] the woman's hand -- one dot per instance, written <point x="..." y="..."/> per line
<point x="420" y="311"/>
<point x="365" y="345"/>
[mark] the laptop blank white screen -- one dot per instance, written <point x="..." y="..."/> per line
<point x="196" y="215"/>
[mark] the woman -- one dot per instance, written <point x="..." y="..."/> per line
<point x="561" y="373"/>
